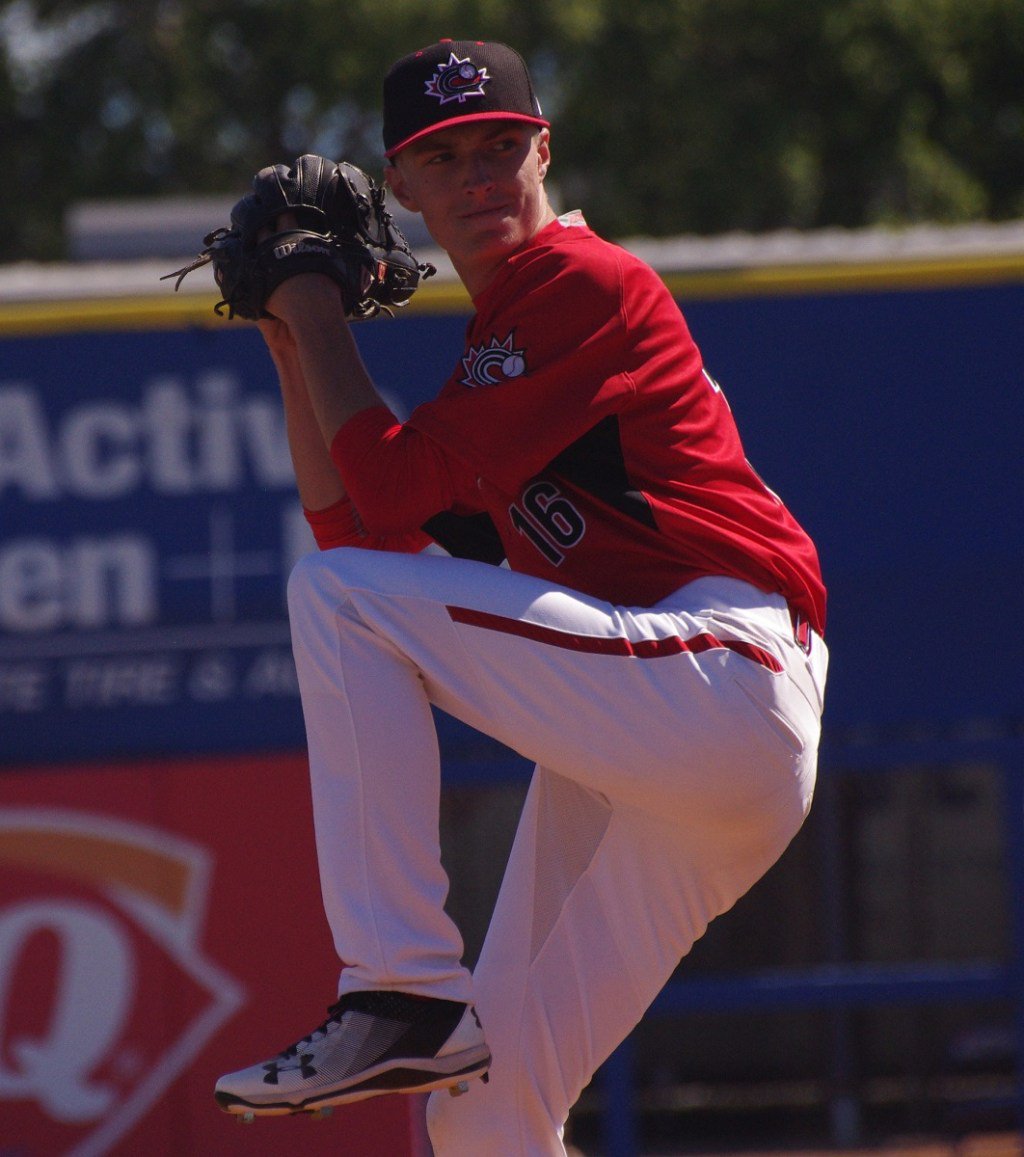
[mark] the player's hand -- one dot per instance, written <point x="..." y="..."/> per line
<point x="279" y="224"/>
<point x="296" y="296"/>
<point x="281" y="303"/>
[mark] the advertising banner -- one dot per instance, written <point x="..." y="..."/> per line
<point x="148" y="524"/>
<point x="160" y="924"/>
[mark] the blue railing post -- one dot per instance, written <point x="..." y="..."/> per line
<point x="1013" y="833"/>
<point x="618" y="1116"/>
<point x="843" y="1106"/>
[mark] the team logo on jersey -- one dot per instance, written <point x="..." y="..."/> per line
<point x="486" y="365"/>
<point x="457" y="80"/>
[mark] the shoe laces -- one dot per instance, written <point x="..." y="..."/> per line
<point x="334" y="1015"/>
<point x="385" y="1003"/>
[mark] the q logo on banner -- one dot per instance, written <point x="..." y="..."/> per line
<point x="105" y="995"/>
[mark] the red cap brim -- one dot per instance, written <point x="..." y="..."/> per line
<point x="462" y="120"/>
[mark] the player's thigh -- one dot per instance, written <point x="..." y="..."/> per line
<point x="569" y="681"/>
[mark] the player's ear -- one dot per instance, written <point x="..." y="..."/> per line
<point x="543" y="152"/>
<point x="399" y="187"/>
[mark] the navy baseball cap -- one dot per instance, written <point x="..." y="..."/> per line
<point x="454" y="82"/>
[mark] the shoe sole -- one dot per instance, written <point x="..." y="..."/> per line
<point x="400" y="1077"/>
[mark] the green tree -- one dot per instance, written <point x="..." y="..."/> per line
<point x="758" y="114"/>
<point x="670" y="115"/>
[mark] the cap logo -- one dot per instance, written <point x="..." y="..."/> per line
<point x="457" y="80"/>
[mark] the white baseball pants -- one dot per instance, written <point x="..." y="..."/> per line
<point x="676" y="753"/>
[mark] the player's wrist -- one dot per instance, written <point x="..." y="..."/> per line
<point x="306" y="301"/>
<point x="277" y="335"/>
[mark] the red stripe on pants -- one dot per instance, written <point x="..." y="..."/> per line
<point x="615" y="645"/>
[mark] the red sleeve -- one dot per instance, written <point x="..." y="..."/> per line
<point x="396" y="477"/>
<point x="339" y="525"/>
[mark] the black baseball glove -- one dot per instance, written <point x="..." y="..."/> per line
<point x="342" y="229"/>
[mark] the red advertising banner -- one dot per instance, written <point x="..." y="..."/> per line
<point x="160" y="924"/>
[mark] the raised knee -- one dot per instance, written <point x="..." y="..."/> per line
<point x="306" y="579"/>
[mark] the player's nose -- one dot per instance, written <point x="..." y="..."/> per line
<point x="478" y="172"/>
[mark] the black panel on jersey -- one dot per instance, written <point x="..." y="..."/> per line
<point x="595" y="464"/>
<point x="466" y="536"/>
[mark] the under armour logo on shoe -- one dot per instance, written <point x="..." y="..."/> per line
<point x="304" y="1064"/>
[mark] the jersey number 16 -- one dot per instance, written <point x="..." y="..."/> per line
<point x="548" y="519"/>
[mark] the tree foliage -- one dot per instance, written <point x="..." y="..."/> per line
<point x="671" y="116"/>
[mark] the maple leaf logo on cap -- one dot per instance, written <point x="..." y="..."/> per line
<point x="457" y="80"/>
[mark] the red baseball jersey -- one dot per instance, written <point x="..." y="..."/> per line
<point x="580" y="419"/>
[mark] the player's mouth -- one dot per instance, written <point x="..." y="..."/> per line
<point x="485" y="212"/>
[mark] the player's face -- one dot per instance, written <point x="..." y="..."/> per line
<point x="480" y="188"/>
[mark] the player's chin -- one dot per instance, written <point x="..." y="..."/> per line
<point x="496" y="235"/>
<point x="486" y="232"/>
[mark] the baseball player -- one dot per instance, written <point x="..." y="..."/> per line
<point x="654" y="643"/>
